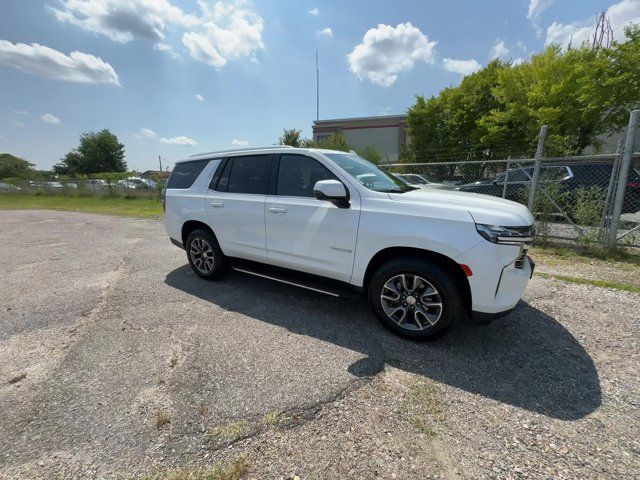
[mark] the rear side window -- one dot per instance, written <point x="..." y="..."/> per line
<point x="247" y="175"/>
<point x="184" y="174"/>
<point x="298" y="174"/>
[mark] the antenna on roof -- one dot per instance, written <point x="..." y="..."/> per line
<point x="317" y="89"/>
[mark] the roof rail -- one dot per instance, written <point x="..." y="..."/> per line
<point x="235" y="150"/>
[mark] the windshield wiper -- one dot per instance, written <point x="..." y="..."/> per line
<point x="390" y="190"/>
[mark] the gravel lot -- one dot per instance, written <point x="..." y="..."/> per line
<point x="116" y="361"/>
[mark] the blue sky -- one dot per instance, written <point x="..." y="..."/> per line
<point x="143" y="63"/>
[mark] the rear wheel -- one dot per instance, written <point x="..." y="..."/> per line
<point x="204" y="255"/>
<point x="415" y="298"/>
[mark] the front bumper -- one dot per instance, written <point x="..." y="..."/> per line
<point x="482" y="318"/>
<point x="501" y="273"/>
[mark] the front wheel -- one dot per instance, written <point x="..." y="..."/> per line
<point x="204" y="255"/>
<point x="415" y="298"/>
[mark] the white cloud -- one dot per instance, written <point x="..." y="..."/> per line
<point x="50" y="119"/>
<point x="75" y="67"/>
<point x="240" y="143"/>
<point x="325" y="32"/>
<point x="21" y="112"/>
<point x="182" y="140"/>
<point x="499" y="50"/>
<point x="145" y="133"/>
<point x="463" y="67"/>
<point x="314" y="11"/>
<point x="199" y="97"/>
<point x="164" y="47"/>
<point x="228" y="31"/>
<point x="123" y="20"/>
<point x="536" y="7"/>
<point x="386" y="51"/>
<point x="619" y="14"/>
<point x="17" y="123"/>
<point x="517" y="61"/>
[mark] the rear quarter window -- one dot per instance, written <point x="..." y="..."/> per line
<point x="184" y="174"/>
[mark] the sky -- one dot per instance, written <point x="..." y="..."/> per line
<point x="173" y="78"/>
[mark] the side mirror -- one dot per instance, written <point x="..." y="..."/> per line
<point x="332" y="191"/>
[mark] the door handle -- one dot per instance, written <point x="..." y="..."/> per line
<point x="217" y="204"/>
<point x="277" y="210"/>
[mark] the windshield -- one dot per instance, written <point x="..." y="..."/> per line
<point x="368" y="174"/>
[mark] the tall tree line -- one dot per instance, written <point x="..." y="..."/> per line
<point x="581" y="93"/>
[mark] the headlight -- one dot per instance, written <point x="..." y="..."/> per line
<point x="506" y="235"/>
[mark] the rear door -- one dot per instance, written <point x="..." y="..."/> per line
<point x="235" y="206"/>
<point x="305" y="233"/>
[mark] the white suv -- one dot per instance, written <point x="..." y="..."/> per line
<point x="335" y="223"/>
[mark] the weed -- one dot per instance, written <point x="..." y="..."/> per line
<point x="234" y="470"/>
<point x="174" y="360"/>
<point x="422" y="405"/>
<point x="203" y="409"/>
<point x="162" y="419"/>
<point x="275" y="419"/>
<point x="229" y="433"/>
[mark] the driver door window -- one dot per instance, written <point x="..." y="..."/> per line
<point x="298" y="175"/>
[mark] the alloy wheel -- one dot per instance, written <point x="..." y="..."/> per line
<point x="411" y="302"/>
<point x="201" y="255"/>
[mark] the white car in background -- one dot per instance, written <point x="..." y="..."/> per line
<point x="418" y="181"/>
<point x="95" y="184"/>
<point x="334" y="223"/>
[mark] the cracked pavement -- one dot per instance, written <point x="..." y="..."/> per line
<point x="103" y="326"/>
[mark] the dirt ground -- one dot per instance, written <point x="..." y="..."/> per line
<point x="116" y="361"/>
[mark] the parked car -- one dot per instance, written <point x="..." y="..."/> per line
<point x="137" y="183"/>
<point x="45" y="185"/>
<point x="332" y="222"/>
<point x="418" y="181"/>
<point x="570" y="177"/>
<point x="95" y="184"/>
<point x="7" y="187"/>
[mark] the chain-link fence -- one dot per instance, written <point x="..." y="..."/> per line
<point x="130" y="187"/>
<point x="587" y="199"/>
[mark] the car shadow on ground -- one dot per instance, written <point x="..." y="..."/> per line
<point x="526" y="359"/>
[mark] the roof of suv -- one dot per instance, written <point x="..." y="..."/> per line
<point x="271" y="149"/>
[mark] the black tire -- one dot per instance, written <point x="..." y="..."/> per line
<point x="211" y="253"/>
<point x="436" y="277"/>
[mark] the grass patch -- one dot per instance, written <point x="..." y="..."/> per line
<point x="127" y="207"/>
<point x="234" y="470"/>
<point x="422" y="405"/>
<point x="162" y="419"/>
<point x="275" y="419"/>
<point x="229" y="433"/>
<point x="595" y="283"/>
<point x="618" y="255"/>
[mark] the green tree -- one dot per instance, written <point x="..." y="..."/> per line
<point x="14" y="167"/>
<point x="98" y="152"/>
<point x="580" y="93"/>
<point x="335" y="141"/>
<point x="292" y="137"/>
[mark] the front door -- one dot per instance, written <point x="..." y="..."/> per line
<point x="304" y="233"/>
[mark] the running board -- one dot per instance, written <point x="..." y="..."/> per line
<point x="297" y="279"/>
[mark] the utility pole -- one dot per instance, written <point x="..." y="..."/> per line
<point x="160" y="162"/>
<point x="317" y="89"/>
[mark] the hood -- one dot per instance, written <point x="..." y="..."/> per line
<point x="483" y="208"/>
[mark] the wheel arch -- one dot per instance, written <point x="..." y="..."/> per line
<point x="384" y="255"/>
<point x="191" y="225"/>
